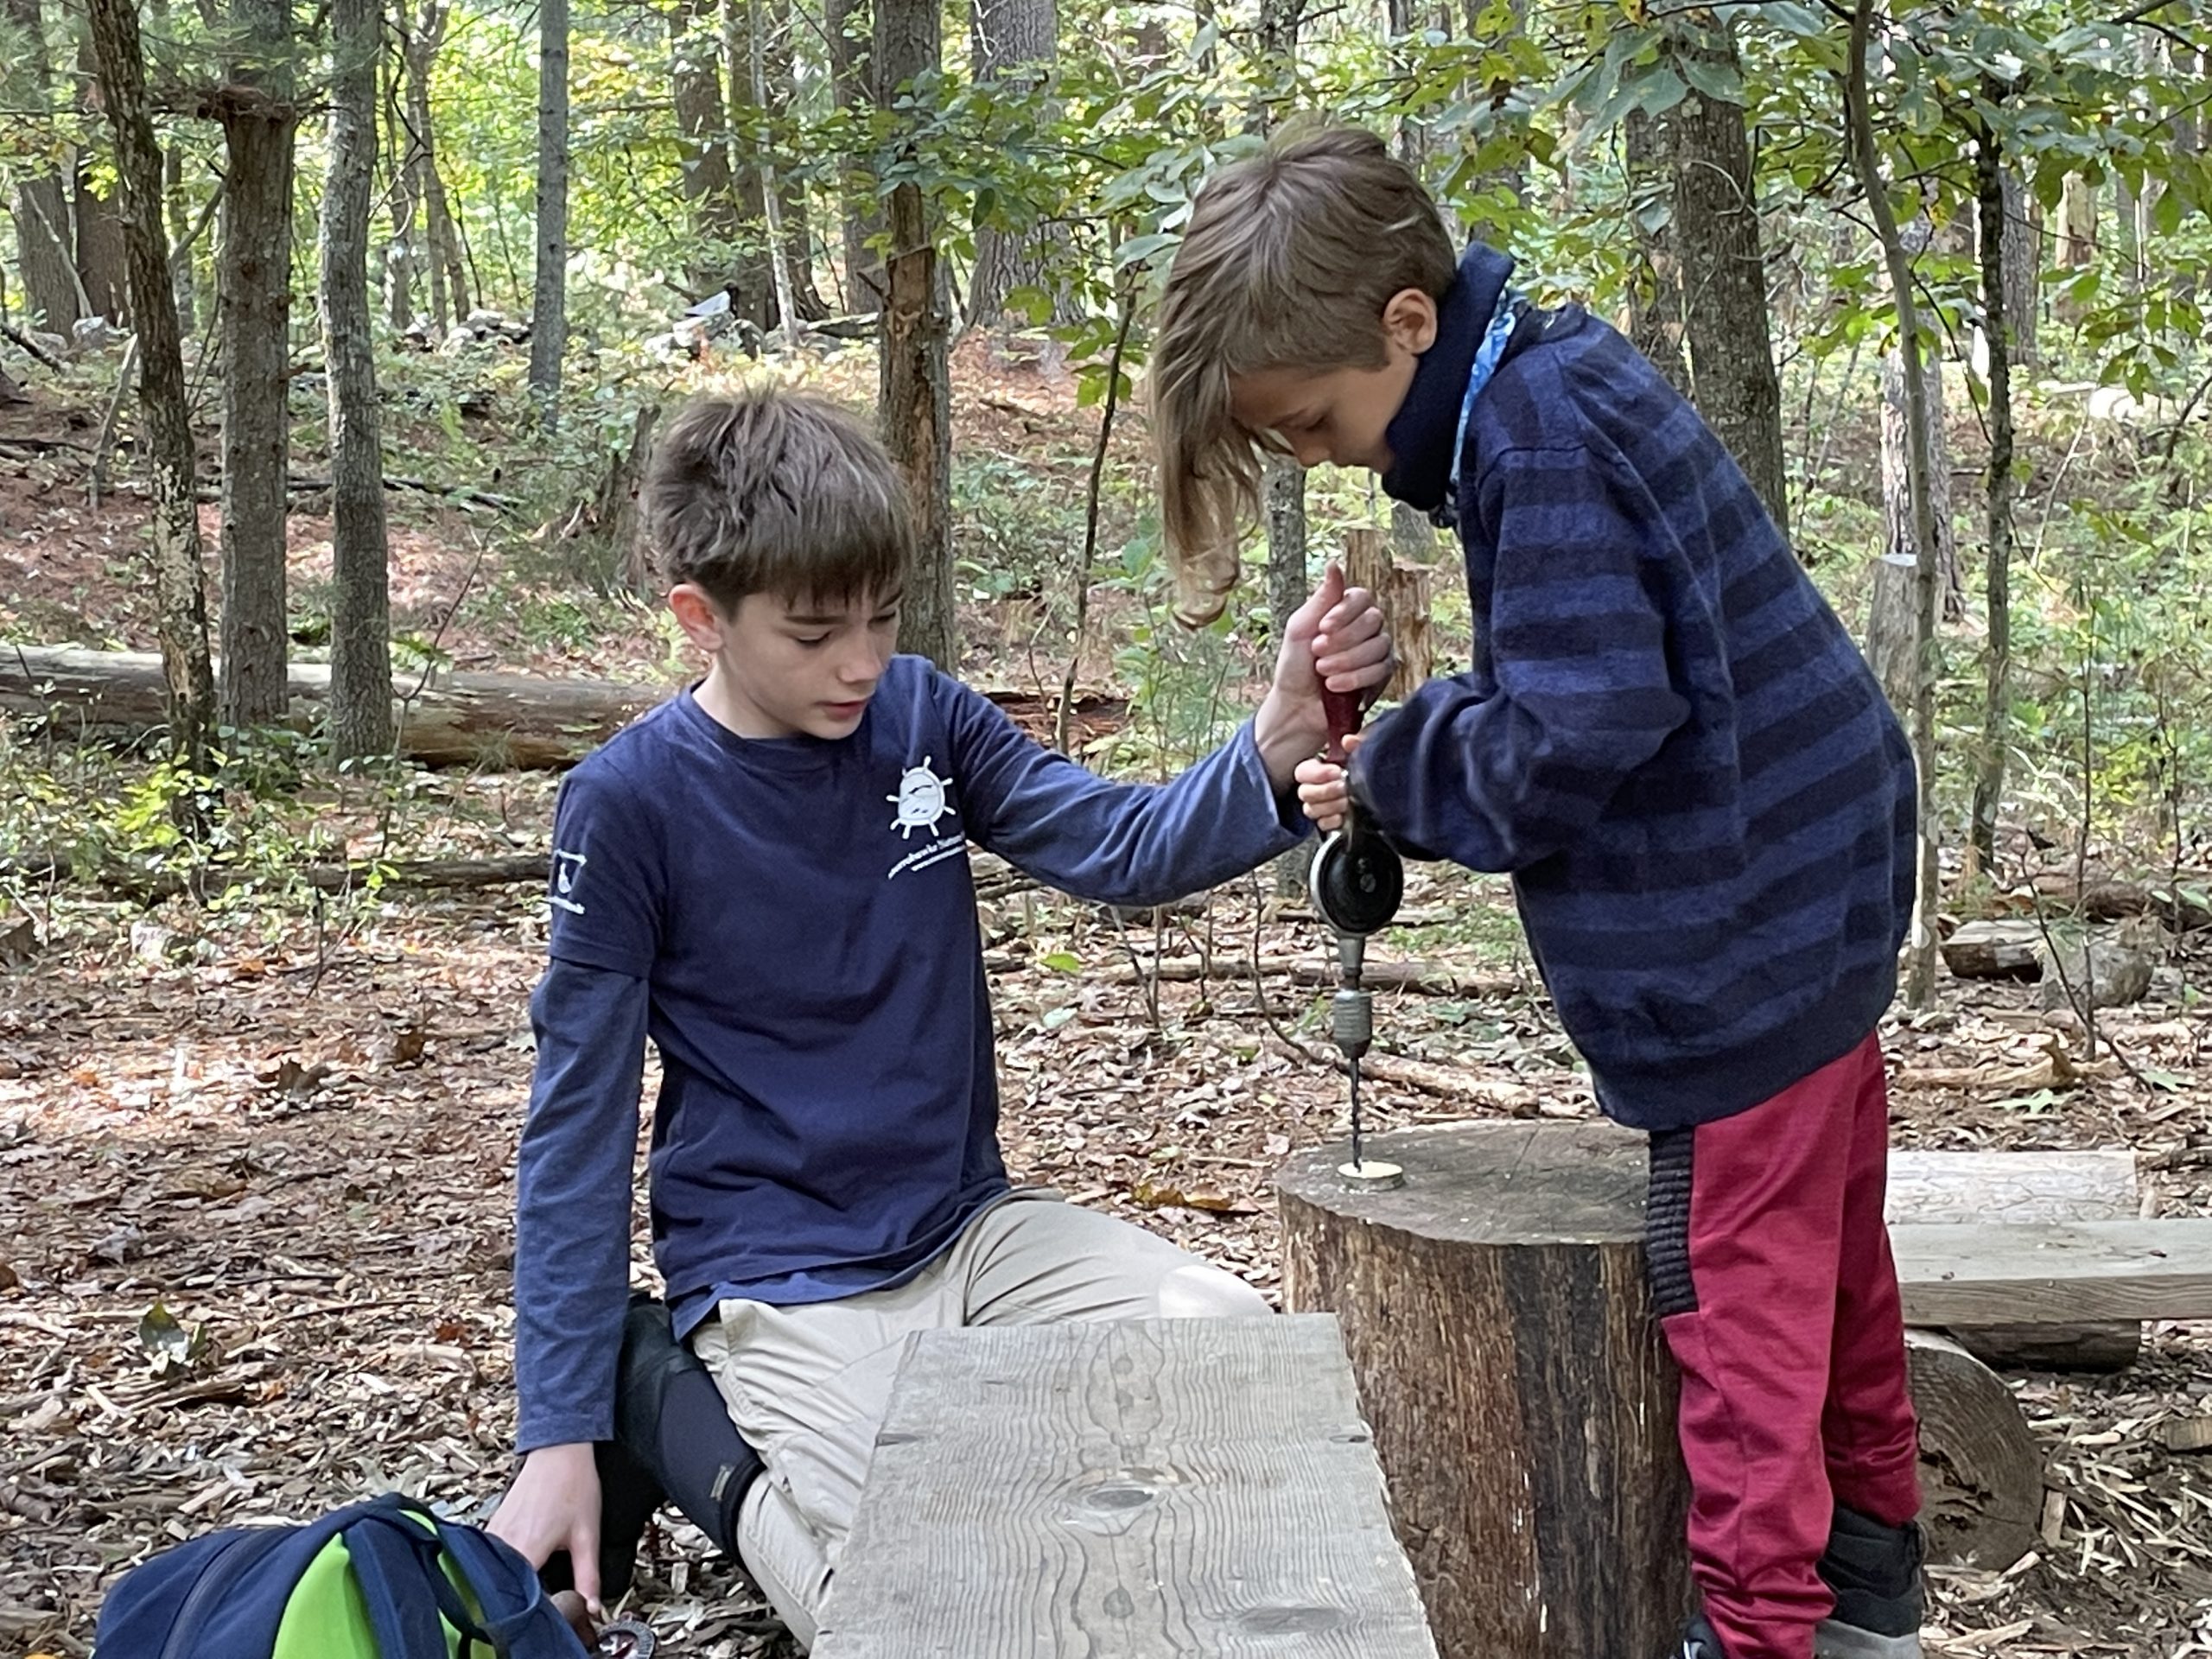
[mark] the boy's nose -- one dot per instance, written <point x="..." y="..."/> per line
<point x="1309" y="452"/>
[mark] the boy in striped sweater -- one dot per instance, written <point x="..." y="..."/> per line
<point x="1705" y="801"/>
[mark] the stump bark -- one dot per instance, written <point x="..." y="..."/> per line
<point x="1496" y="1313"/>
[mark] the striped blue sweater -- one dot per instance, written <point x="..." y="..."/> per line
<point x="1667" y="737"/>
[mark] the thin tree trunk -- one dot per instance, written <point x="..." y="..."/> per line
<point x="181" y="604"/>
<point x="360" y="652"/>
<point x="702" y="123"/>
<point x="2023" y="262"/>
<point x="254" y="294"/>
<point x="797" y="238"/>
<point x="549" y="310"/>
<point x="1014" y="44"/>
<point x="861" y="215"/>
<point x="916" y="393"/>
<point x="399" y="256"/>
<point x="1655" y="305"/>
<point x="41" y="213"/>
<point x="748" y="58"/>
<point x="1723" y="274"/>
<point x="102" y="263"/>
<point x="1997" y="690"/>
<point x="441" y="257"/>
<point x="1897" y="491"/>
<point x="1920" y="981"/>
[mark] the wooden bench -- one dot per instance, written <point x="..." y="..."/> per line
<point x="1125" y="1491"/>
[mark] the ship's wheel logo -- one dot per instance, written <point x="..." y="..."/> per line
<point x="920" y="800"/>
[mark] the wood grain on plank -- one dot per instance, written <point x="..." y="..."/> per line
<point x="1125" y="1491"/>
<point x="2003" y="1273"/>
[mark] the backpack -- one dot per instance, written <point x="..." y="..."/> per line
<point x="384" y="1579"/>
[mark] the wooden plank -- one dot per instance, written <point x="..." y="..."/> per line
<point x="1125" y="1491"/>
<point x="2004" y="1274"/>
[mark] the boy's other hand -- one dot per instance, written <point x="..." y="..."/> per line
<point x="554" y="1505"/>
<point x="1335" y="638"/>
<point x="1325" y="789"/>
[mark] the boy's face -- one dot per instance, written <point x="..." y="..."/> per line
<point x="787" y="668"/>
<point x="1343" y="415"/>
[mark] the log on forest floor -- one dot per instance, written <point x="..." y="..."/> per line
<point x="498" y="721"/>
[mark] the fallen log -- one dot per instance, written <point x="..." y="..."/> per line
<point x="1995" y="951"/>
<point x="207" y="881"/>
<point x="1980" y="1469"/>
<point x="496" y="722"/>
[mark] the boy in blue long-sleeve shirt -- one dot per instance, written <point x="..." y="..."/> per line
<point x="768" y="878"/>
<point x="1705" y="803"/>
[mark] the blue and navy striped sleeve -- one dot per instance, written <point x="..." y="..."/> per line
<point x="1500" y="768"/>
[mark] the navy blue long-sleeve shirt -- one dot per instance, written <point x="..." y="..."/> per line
<point x="1667" y="737"/>
<point x="793" y="923"/>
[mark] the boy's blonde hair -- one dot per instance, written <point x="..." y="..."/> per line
<point x="1287" y="263"/>
<point x="772" y="491"/>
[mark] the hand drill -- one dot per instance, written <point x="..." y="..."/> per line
<point x="1356" y="882"/>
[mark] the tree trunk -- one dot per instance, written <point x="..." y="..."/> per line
<point x="2023" y="257"/>
<point x="400" y="260"/>
<point x="1541" y="1496"/>
<point x="792" y="208"/>
<point x="1997" y="680"/>
<point x="1656" y="319"/>
<point x="549" y="309"/>
<point x="1016" y="43"/>
<point x="360" y="716"/>
<point x="915" y="397"/>
<point x="102" y="263"/>
<point x="41" y="214"/>
<point x="1282" y="484"/>
<point x="1920" y="982"/>
<point x="851" y="85"/>
<point x="1724" y="273"/>
<point x="702" y="121"/>
<point x="254" y="291"/>
<point x="434" y="249"/>
<point x="748" y="63"/>
<point x="2077" y="223"/>
<point x="1896" y="487"/>
<point x="180" y="603"/>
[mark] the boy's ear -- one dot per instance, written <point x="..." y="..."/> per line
<point x="1410" y="319"/>
<point x="697" y="614"/>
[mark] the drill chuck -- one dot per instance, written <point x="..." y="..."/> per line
<point x="1351" y="1021"/>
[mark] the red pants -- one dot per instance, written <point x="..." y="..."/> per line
<point x="1771" y="1273"/>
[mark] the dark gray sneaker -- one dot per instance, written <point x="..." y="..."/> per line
<point x="1699" y="1643"/>
<point x="1879" y="1599"/>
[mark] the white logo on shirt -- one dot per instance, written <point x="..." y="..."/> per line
<point x="567" y="867"/>
<point x="920" y="800"/>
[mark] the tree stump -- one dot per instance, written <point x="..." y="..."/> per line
<point x="1980" y="1469"/>
<point x="1496" y="1313"/>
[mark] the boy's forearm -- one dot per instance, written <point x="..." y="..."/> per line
<point x="572" y="1210"/>
<point x="1286" y="731"/>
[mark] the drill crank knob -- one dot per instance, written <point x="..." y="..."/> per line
<point x="1356" y="882"/>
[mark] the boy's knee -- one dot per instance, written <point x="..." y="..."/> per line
<point x="1200" y="1292"/>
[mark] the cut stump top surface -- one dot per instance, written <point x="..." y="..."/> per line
<point x="1517" y="1183"/>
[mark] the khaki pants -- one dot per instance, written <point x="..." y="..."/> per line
<point x="808" y="1387"/>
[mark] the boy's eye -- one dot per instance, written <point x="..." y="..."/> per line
<point x="811" y="640"/>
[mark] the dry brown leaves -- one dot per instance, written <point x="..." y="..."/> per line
<point x="302" y="1145"/>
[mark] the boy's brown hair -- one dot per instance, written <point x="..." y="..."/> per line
<point x="1287" y="263"/>
<point x="772" y="491"/>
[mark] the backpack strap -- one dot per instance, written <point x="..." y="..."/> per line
<point x="514" y="1603"/>
<point x="393" y="1560"/>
